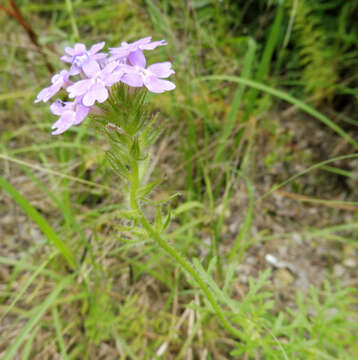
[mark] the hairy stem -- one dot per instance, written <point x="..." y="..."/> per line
<point x="174" y="253"/>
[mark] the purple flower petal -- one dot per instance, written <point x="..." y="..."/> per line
<point x="134" y="80"/>
<point x="142" y="41"/>
<point x="97" y="92"/>
<point x="142" y="44"/>
<point x="127" y="68"/>
<point x="109" y="67"/>
<point x="137" y="58"/>
<point x="55" y="88"/>
<point x="79" y="48"/>
<point x="96" y="47"/>
<point x="161" y="70"/>
<point x="81" y="113"/>
<point x="79" y="88"/>
<point x="57" y="107"/>
<point x="119" y="52"/>
<point x="47" y="93"/>
<point x="89" y="98"/>
<point x="101" y="93"/>
<point x="112" y="78"/>
<point x="91" y="68"/>
<point x="64" y="74"/>
<point x="156" y="85"/>
<point x="56" y="78"/>
<point x="66" y="58"/>
<point x="74" y="70"/>
<point x="44" y="95"/>
<point x="69" y="50"/>
<point x="153" y="45"/>
<point x="58" y="81"/>
<point x="63" y="123"/>
<point x="99" y="56"/>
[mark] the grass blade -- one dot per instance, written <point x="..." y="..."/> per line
<point x="26" y="286"/>
<point x="11" y="351"/>
<point x="239" y="245"/>
<point x="230" y="120"/>
<point x="264" y="66"/>
<point x="28" y="345"/>
<point x="58" y="327"/>
<point x="313" y="167"/>
<point x="292" y="100"/>
<point x="33" y="214"/>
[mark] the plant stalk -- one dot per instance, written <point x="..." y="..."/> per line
<point x="174" y="253"/>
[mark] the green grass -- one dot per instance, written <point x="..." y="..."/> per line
<point x="78" y="281"/>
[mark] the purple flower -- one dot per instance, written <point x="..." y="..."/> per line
<point x="95" y="88"/>
<point x="98" y="73"/>
<point x="58" y="81"/>
<point x="71" y="113"/>
<point x="143" y="44"/>
<point x="79" y="55"/>
<point x="151" y="77"/>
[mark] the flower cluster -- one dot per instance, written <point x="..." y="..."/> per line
<point x="98" y="72"/>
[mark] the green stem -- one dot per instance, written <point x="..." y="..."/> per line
<point x="174" y="253"/>
<point x="134" y="186"/>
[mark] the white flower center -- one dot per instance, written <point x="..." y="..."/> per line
<point x="143" y="72"/>
<point x="80" y="59"/>
<point x="97" y="80"/>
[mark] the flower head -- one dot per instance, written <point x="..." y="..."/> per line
<point x="127" y="64"/>
<point x="79" y="55"/>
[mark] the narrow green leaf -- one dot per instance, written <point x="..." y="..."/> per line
<point x="167" y="221"/>
<point x="187" y="206"/>
<point x="135" y="149"/>
<point x="146" y="189"/>
<point x="158" y="225"/>
<point x="35" y="216"/>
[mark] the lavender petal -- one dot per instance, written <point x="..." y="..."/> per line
<point x="91" y="68"/>
<point x="137" y="58"/>
<point x="156" y="85"/>
<point x="134" y="80"/>
<point x="161" y="70"/>
<point x="79" y="88"/>
<point x="63" y="123"/>
<point x="96" y="47"/>
<point x="81" y="113"/>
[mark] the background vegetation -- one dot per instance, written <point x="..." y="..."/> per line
<point x="258" y="158"/>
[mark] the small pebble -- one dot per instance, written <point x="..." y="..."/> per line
<point x="338" y="270"/>
<point x="351" y="263"/>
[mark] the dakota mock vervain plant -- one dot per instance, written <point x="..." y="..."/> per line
<point x="105" y="93"/>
